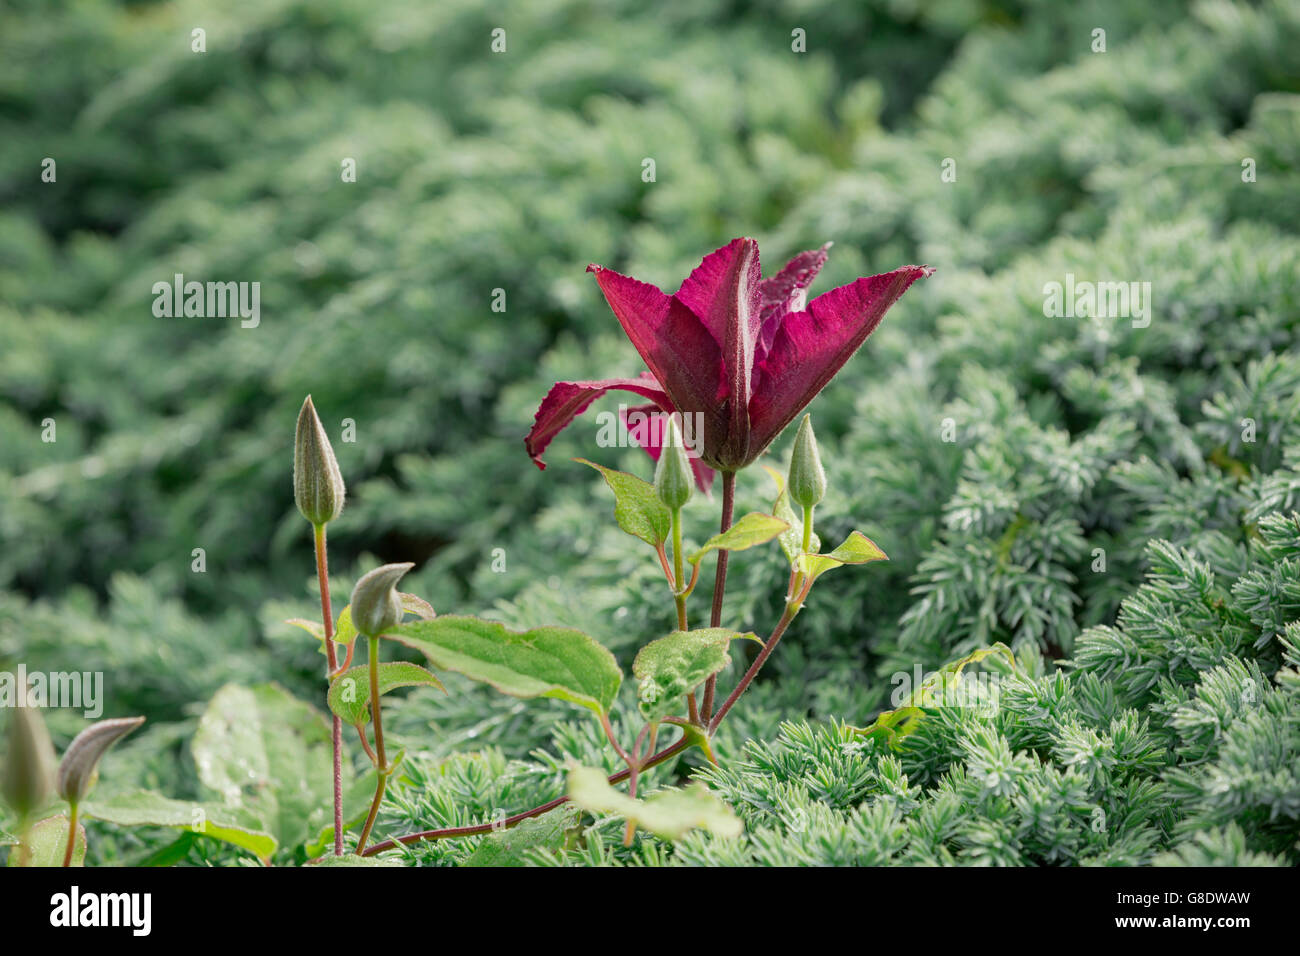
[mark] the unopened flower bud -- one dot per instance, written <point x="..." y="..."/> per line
<point x="80" y="765"/>
<point x="674" y="480"/>
<point x="376" y="605"/>
<point x="317" y="485"/>
<point x="29" y="769"/>
<point x="807" y="477"/>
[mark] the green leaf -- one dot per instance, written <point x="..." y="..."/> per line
<point x="856" y="549"/>
<point x="544" y="662"/>
<point x="413" y="604"/>
<point x="314" y="628"/>
<point x="7" y="838"/>
<point x="754" y="528"/>
<point x="696" y="737"/>
<point x="171" y="854"/>
<point x="47" y="841"/>
<point x="637" y="508"/>
<point x="262" y="750"/>
<point x="670" y="814"/>
<point x="344" y="632"/>
<point x="509" y="847"/>
<point x="349" y="695"/>
<point x="144" y="808"/>
<point x="673" y="666"/>
<point x="893" y="725"/>
<point x="791" y="539"/>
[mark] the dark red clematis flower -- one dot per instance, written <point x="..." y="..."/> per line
<point x="741" y="354"/>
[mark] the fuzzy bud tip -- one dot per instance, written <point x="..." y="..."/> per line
<point x="30" y="767"/>
<point x="317" y="485"/>
<point x="674" y="480"/>
<point x="807" y="477"/>
<point x="376" y="605"/>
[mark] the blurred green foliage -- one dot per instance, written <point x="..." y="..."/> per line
<point x="479" y="171"/>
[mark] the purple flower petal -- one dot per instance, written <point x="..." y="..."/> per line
<point x="787" y="291"/>
<point x="567" y="400"/>
<point x="810" y="347"/>
<point x="677" y="347"/>
<point x="725" y="292"/>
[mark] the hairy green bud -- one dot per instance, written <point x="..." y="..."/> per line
<point x="376" y="605"/>
<point x="807" y="477"/>
<point x="80" y="765"/>
<point x="674" y="480"/>
<point x="29" y="769"/>
<point x="317" y="485"/>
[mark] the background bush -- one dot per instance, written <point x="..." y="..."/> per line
<point x="479" y="172"/>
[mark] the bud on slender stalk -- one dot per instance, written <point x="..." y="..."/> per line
<point x="80" y="765"/>
<point x="376" y="605"/>
<point x="674" y="480"/>
<point x="317" y="485"/>
<point x="807" y="477"/>
<point x="29" y="768"/>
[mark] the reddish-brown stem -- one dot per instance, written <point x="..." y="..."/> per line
<point x="72" y="836"/>
<point x="755" y="667"/>
<point x="663" y="563"/>
<point x="365" y="744"/>
<point x="381" y="761"/>
<point x="374" y="812"/>
<point x="481" y="828"/>
<point x="713" y="720"/>
<point x="720" y="580"/>
<point x="336" y="727"/>
<point x="692" y="709"/>
<point x="609" y="732"/>
<point x="347" y="663"/>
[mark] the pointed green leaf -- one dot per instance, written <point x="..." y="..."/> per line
<point x="144" y="808"/>
<point x="344" y="632"/>
<point x="670" y="814"/>
<point x="413" y="604"/>
<point x="544" y="662"/>
<point x="47" y="842"/>
<point x="696" y="737"/>
<point x="671" y="667"/>
<point x="314" y="628"/>
<point x="508" y="847"/>
<point x="893" y="725"/>
<point x="349" y="695"/>
<point x="791" y="538"/>
<point x="637" y="508"/>
<point x="856" y="549"/>
<point x="754" y="528"/>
